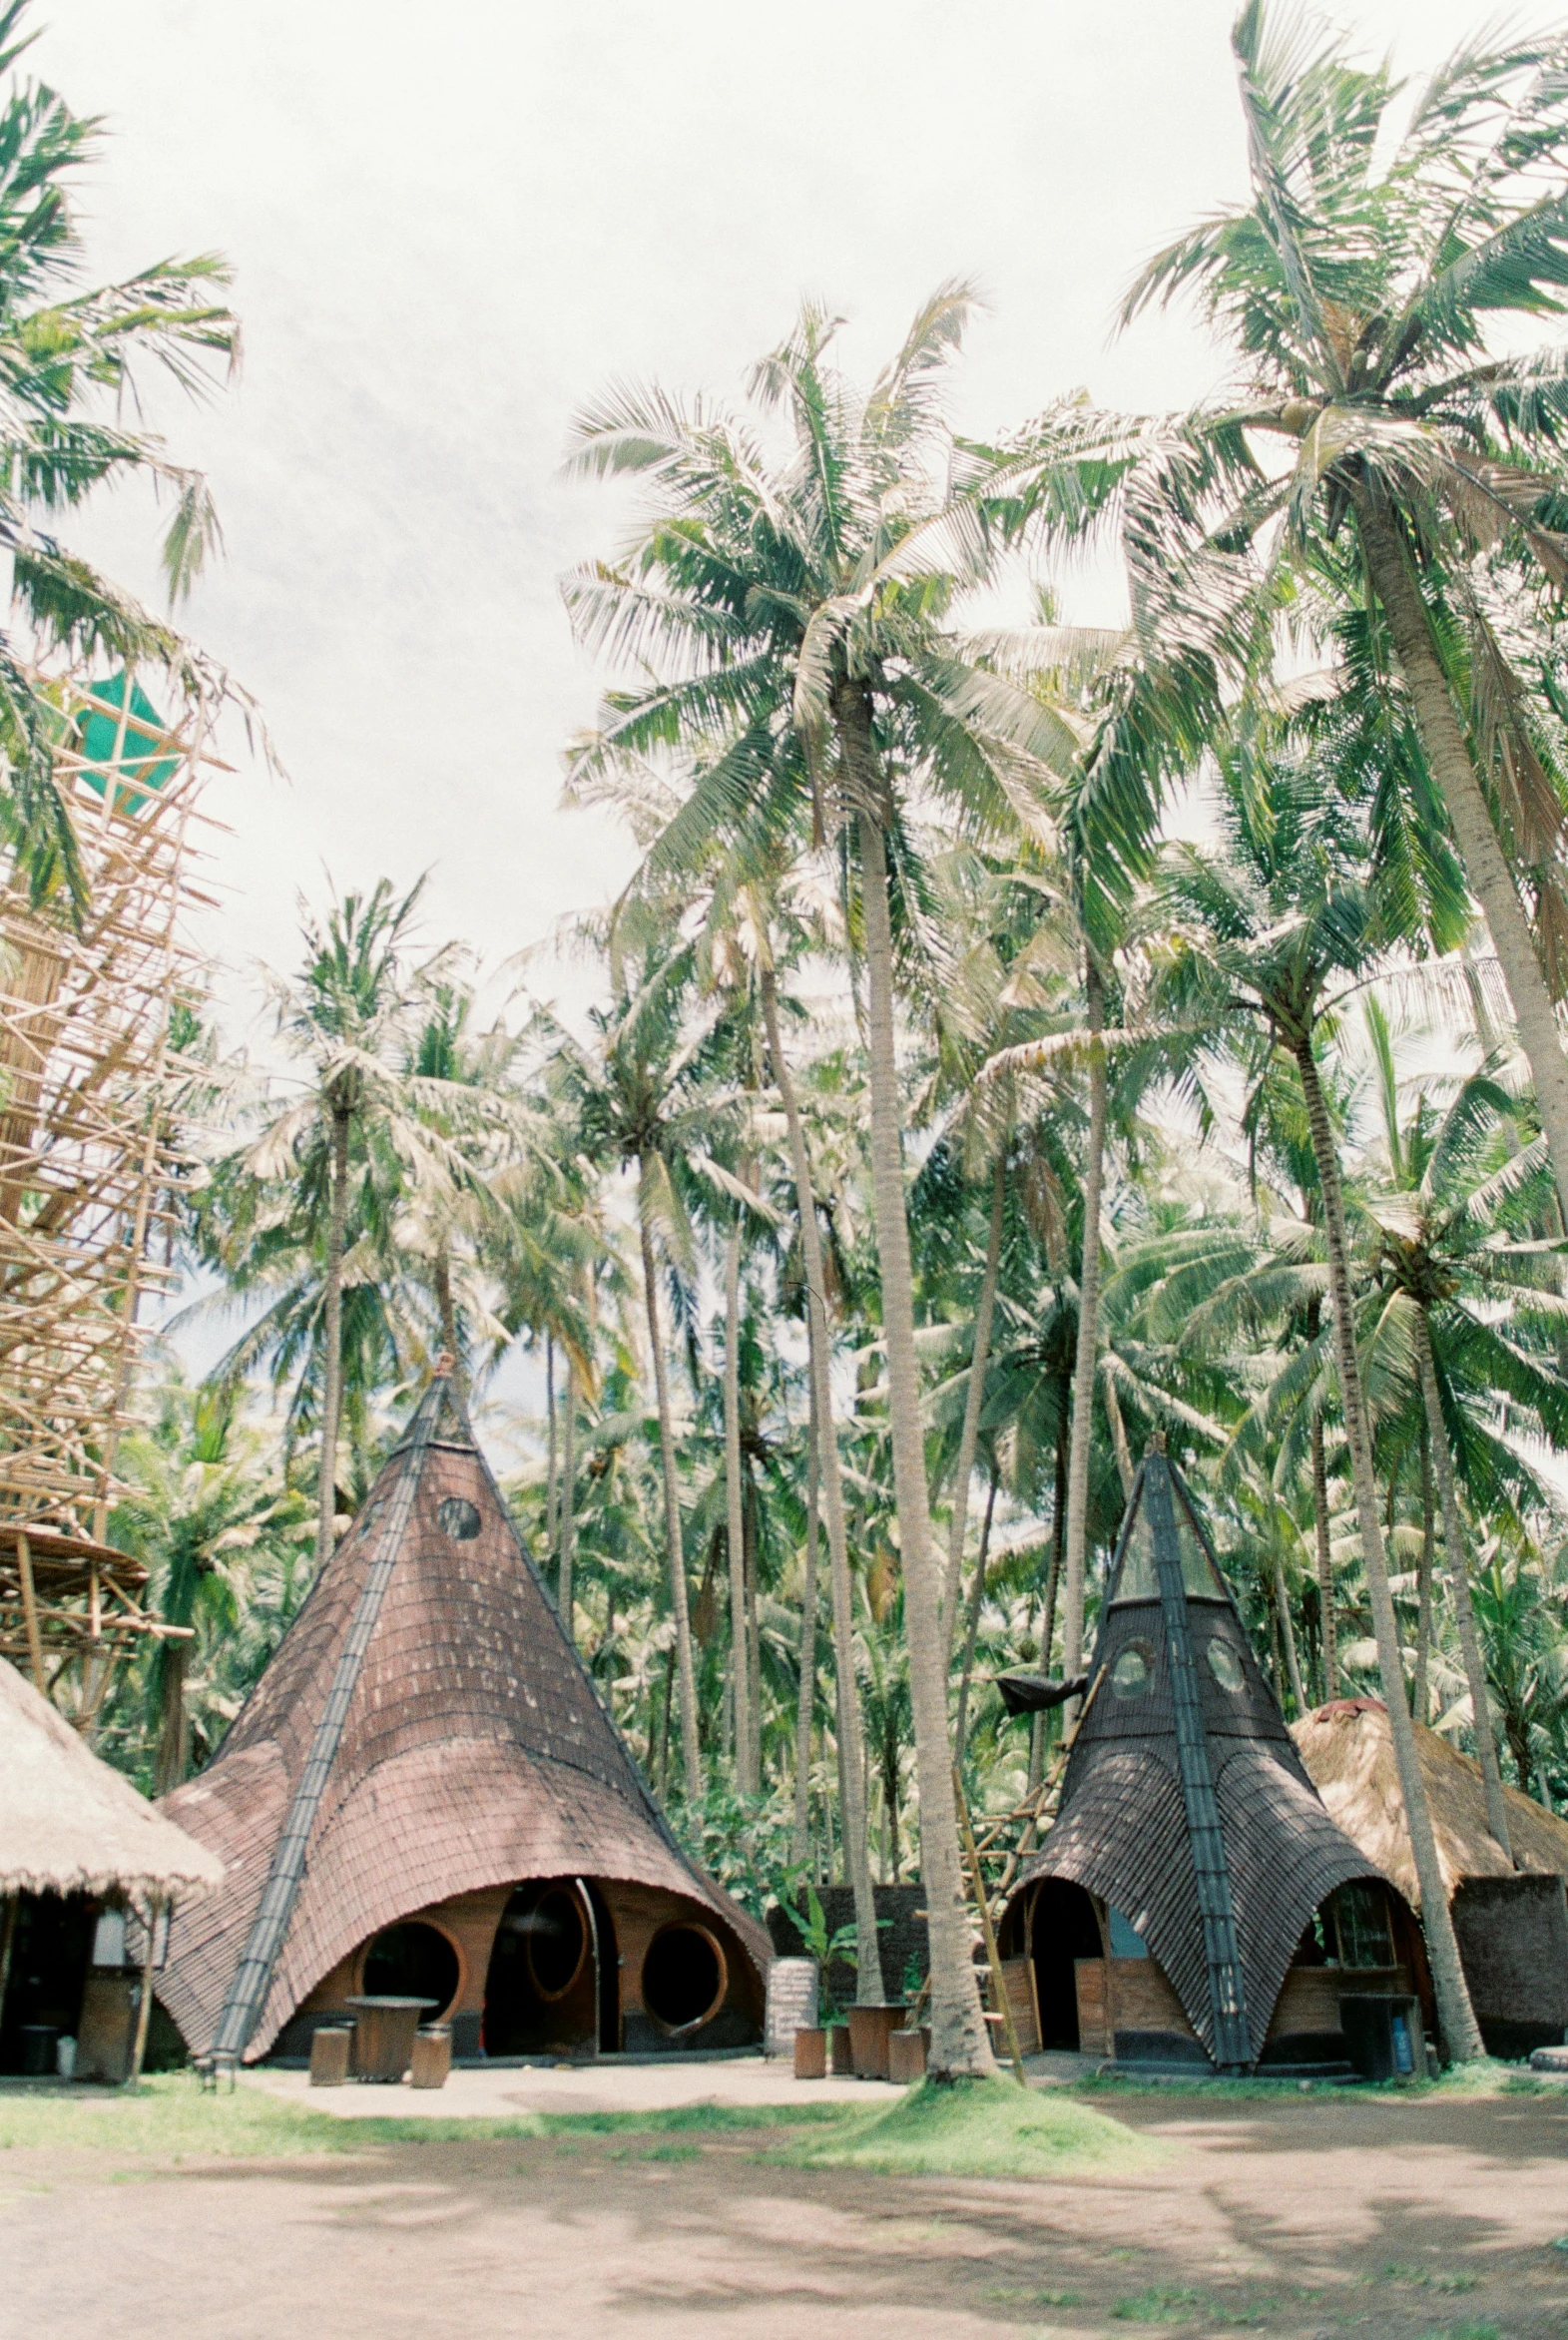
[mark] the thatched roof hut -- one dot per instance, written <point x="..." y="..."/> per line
<point x="70" y="1825"/>
<point x="1511" y="1924"/>
<point x="426" y="1794"/>
<point x="1348" y="1749"/>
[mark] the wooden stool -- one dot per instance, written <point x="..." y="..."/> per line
<point x="906" y="2056"/>
<point x="431" y="2059"/>
<point x="330" y="2050"/>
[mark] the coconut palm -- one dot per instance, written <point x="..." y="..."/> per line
<point x="201" y="1510"/>
<point x="73" y="360"/>
<point x="353" y="1139"/>
<point x="1257" y="940"/>
<point x="646" y="1103"/>
<point x="795" y="614"/>
<point x="1483" y="1321"/>
<point x="1360" y="288"/>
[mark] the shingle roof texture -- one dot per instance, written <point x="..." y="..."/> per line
<point x="475" y="1751"/>
<point x="1122" y="1829"/>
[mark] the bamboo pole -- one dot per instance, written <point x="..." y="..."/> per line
<point x="144" y="2013"/>
<point x="34" y="1646"/>
<point x="988" y="1931"/>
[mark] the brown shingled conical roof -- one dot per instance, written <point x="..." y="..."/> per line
<point x="425" y="1729"/>
<point x="1184" y="1804"/>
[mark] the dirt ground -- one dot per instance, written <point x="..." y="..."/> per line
<point x="1293" y="2217"/>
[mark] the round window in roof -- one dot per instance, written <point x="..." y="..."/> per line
<point x="459" y="1519"/>
<point x="1226" y="1666"/>
<point x="1130" y="1676"/>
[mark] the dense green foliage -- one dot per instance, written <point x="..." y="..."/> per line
<point x="1178" y="1111"/>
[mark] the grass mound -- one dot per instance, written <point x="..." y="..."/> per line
<point x="981" y="2129"/>
<point x="170" y="2117"/>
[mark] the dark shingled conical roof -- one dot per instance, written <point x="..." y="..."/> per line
<point x="1185" y="1803"/>
<point x="424" y="1729"/>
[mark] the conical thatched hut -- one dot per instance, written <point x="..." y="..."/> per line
<point x="425" y="1794"/>
<point x="78" y="1844"/>
<point x="1194" y="1901"/>
<point x="1511" y="1924"/>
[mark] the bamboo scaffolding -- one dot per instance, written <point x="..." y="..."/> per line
<point x="88" y="1164"/>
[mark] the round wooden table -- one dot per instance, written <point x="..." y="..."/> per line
<point x="385" y="2028"/>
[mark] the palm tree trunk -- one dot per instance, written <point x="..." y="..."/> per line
<point x="852" y="1821"/>
<point x="171" y="1760"/>
<point x="1053" y="1574"/>
<point x="568" y="1508"/>
<point x="1113" y="1415"/>
<point x="1459" y="1585"/>
<point x="1293" y="1664"/>
<point x="446" y="1307"/>
<point x="1330" y="1644"/>
<point x="1485" y="864"/>
<point x="333" y="1390"/>
<point x="680" y="1603"/>
<point x="551" y="1544"/>
<point x="1423" y="1583"/>
<point x="806" y="1693"/>
<point x="754" y="1640"/>
<point x="1088" y="1335"/>
<point x="972" y="1629"/>
<point x="959" y="2045"/>
<point x="974" y="1399"/>
<point x="1456" y="2016"/>
<point x="734" y="1528"/>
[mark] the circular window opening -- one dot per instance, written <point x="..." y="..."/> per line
<point x="1226" y="1666"/>
<point x="459" y="1519"/>
<point x="412" y="1961"/>
<point x="557" y="1942"/>
<point x="1130" y="1676"/>
<point x="683" y="1977"/>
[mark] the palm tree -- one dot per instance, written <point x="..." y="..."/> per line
<point x="1358" y="287"/>
<point x="1442" y="1258"/>
<point x="646" y="1104"/>
<point x="827" y="1476"/>
<point x="73" y="360"/>
<point x="798" y="614"/>
<point x="1256" y="941"/>
<point x="353" y="1143"/>
<point x="201" y="1510"/>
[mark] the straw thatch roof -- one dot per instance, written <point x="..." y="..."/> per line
<point x="1348" y="1749"/>
<point x="68" y="1824"/>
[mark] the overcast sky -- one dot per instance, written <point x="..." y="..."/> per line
<point x="452" y="226"/>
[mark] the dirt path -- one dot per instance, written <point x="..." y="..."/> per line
<point x="1295" y="2218"/>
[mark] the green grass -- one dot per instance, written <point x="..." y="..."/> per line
<point x="168" y="2118"/>
<point x="977" y="2128"/>
<point x="1484" y="2078"/>
<point x="1162" y="2303"/>
<point x="171" y="2118"/>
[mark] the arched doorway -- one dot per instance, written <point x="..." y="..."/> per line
<point x="414" y="1961"/>
<point x="541" y="1990"/>
<point x="1063" y="1928"/>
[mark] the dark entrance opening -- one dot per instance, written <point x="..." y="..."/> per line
<point x="608" y="1964"/>
<point x="542" y="1987"/>
<point x="1064" y="1929"/>
<point x="414" y="1961"/>
<point x="50" y="1944"/>
<point x="683" y="1977"/>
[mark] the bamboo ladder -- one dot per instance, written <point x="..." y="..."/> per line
<point x="1028" y="1818"/>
